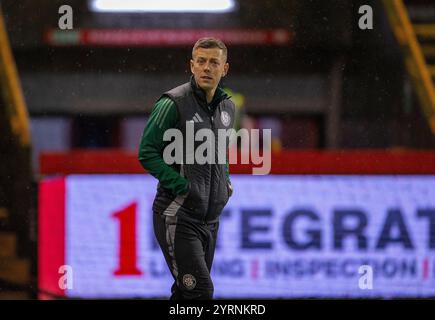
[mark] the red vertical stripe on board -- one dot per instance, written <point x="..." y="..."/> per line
<point x="254" y="269"/>
<point x="425" y="269"/>
<point x="51" y="236"/>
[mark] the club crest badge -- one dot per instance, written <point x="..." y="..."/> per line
<point x="189" y="281"/>
<point x="225" y="118"/>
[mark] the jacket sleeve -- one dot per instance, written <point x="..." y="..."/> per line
<point x="163" y="116"/>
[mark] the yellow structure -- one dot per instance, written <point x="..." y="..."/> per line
<point x="11" y="90"/>
<point x="416" y="54"/>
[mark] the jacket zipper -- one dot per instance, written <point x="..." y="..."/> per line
<point x="211" y="117"/>
<point x="211" y="168"/>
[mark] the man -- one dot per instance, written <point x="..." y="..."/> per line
<point x="190" y="197"/>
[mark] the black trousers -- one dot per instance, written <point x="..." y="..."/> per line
<point x="189" y="249"/>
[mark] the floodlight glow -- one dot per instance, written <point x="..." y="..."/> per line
<point x="217" y="6"/>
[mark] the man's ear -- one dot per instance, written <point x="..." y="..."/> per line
<point x="191" y="66"/>
<point x="226" y="68"/>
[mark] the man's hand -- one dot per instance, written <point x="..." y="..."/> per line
<point x="187" y="192"/>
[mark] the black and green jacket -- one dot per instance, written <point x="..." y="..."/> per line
<point x="192" y="191"/>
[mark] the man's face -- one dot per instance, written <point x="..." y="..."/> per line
<point x="208" y="66"/>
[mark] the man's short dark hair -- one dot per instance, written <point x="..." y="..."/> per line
<point x="209" y="43"/>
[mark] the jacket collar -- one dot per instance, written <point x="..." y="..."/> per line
<point x="200" y="95"/>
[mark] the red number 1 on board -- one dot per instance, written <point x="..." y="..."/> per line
<point x="127" y="242"/>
